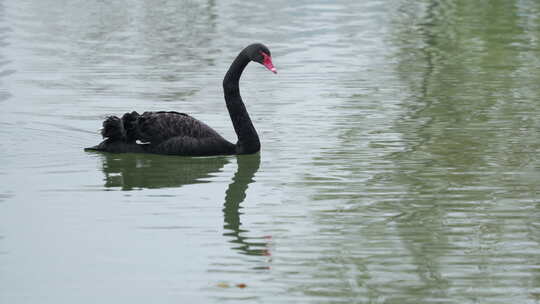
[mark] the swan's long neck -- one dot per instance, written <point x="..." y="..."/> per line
<point x="248" y="139"/>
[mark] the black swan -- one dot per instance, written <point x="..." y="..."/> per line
<point x="168" y="132"/>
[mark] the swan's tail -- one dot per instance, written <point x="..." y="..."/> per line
<point x="113" y="129"/>
<point x="124" y="129"/>
<point x="118" y="131"/>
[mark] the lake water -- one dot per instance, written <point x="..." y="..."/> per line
<point x="399" y="164"/>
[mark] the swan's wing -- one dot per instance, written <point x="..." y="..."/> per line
<point x="157" y="127"/>
<point x="194" y="146"/>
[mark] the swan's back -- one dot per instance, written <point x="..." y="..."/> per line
<point x="157" y="127"/>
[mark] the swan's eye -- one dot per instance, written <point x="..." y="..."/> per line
<point x="267" y="62"/>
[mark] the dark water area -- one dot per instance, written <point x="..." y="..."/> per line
<point x="399" y="163"/>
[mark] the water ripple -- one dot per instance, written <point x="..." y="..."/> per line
<point x="399" y="160"/>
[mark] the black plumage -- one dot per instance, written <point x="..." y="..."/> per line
<point x="169" y="132"/>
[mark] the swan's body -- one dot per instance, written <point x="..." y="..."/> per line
<point x="180" y="134"/>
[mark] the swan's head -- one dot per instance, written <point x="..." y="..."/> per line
<point x="261" y="54"/>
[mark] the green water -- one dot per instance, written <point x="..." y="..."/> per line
<point x="399" y="163"/>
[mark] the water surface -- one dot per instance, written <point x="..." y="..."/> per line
<point x="399" y="162"/>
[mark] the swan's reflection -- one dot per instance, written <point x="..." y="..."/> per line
<point x="234" y="196"/>
<point x="142" y="171"/>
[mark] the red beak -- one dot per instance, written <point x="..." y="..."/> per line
<point x="267" y="62"/>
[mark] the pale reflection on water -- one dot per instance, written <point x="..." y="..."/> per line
<point x="399" y="157"/>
